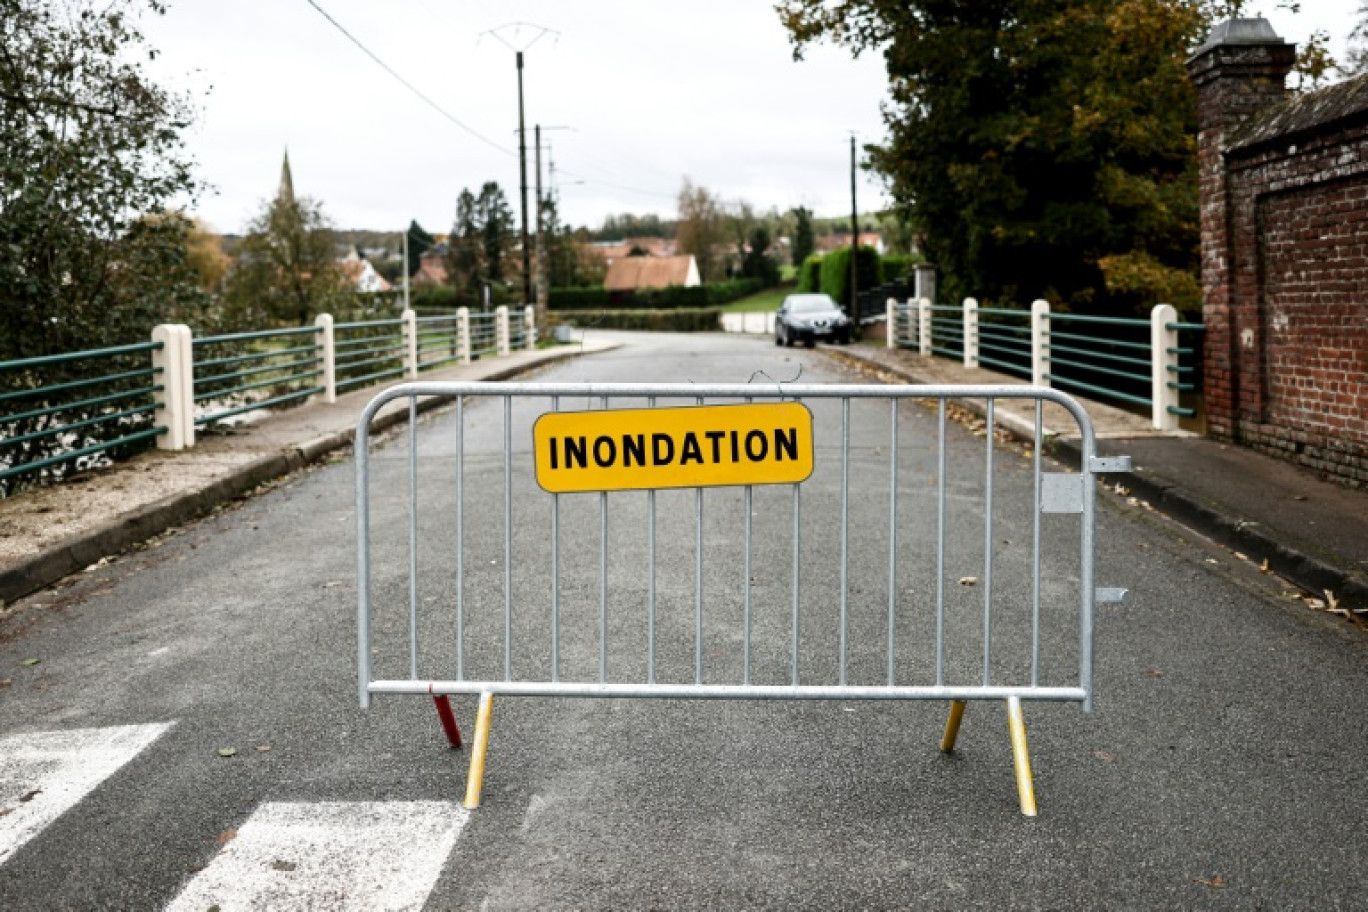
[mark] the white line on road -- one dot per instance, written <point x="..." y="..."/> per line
<point x="333" y="855"/>
<point x="43" y="775"/>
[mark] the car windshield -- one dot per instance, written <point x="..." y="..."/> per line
<point x="810" y="304"/>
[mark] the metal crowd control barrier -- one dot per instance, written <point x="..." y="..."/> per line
<point x="788" y="622"/>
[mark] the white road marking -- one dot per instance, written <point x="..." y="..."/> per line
<point x="42" y="775"/>
<point x="331" y="855"/>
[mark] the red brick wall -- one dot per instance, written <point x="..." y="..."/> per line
<point x="1285" y="278"/>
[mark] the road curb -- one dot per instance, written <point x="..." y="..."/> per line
<point x="118" y="535"/>
<point x="1172" y="499"/>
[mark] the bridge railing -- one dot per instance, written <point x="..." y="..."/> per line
<point x="1148" y="363"/>
<point x="67" y="412"/>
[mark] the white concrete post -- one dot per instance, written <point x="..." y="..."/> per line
<point x="176" y="402"/>
<point x="925" y="282"/>
<point x="924" y="327"/>
<point x="1040" y="342"/>
<point x="1164" y="376"/>
<point x="410" y="344"/>
<point x="971" y="333"/>
<point x="891" y="310"/>
<point x="501" y="329"/>
<point x="463" y="334"/>
<point x="327" y="343"/>
<point x="530" y="327"/>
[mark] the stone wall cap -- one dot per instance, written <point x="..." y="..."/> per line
<point x="1323" y="108"/>
<point x="1239" y="32"/>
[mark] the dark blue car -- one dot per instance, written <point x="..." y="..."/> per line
<point x="811" y="318"/>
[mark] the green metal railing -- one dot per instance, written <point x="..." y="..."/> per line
<point x="1185" y="375"/>
<point x="484" y="334"/>
<point x="947" y="331"/>
<point x="368" y="351"/>
<point x="439" y="340"/>
<point x="66" y="412"/>
<point x="1004" y="339"/>
<point x="1122" y="357"/>
<point x="243" y="372"/>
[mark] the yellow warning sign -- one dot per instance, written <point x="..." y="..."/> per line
<point x="689" y="447"/>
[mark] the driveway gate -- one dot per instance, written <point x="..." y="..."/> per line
<point x="859" y="545"/>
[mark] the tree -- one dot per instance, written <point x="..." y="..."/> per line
<point x="1042" y="148"/>
<point x="701" y="229"/>
<point x="287" y="268"/>
<point x="419" y="242"/>
<point x="481" y="239"/>
<point x="803" y="241"/>
<point x="758" y="264"/>
<point x="88" y="146"/>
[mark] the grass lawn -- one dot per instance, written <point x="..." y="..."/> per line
<point x="769" y="299"/>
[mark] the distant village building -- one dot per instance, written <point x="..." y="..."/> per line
<point x="361" y="274"/>
<point x="829" y="242"/>
<point x="432" y="266"/>
<point x="635" y="272"/>
<point x="650" y="246"/>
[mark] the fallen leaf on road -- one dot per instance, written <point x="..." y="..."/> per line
<point x="1153" y="673"/>
<point x="227" y="751"/>
<point x="1315" y="603"/>
<point x="1212" y="560"/>
<point x="29" y="796"/>
<point x="332" y="584"/>
<point x="281" y="865"/>
<point x="1263" y="568"/>
<point x="5" y="811"/>
<point x="968" y="580"/>
<point x="30" y="661"/>
<point x="1241" y="555"/>
<point x="1330" y="599"/>
<point x="1216" y="883"/>
<point x="6" y="682"/>
<point x="263" y="748"/>
<point x="1104" y="756"/>
<point x="226" y="837"/>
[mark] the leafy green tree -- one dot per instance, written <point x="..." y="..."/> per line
<point x="804" y="243"/>
<point x="758" y="264"/>
<point x="481" y="239"/>
<point x="88" y="146"/>
<point x="287" y="269"/>
<point x="1042" y="148"/>
<point x="702" y="230"/>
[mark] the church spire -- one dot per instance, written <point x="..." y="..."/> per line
<point x="286" y="193"/>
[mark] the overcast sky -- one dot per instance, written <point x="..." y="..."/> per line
<point x="648" y="92"/>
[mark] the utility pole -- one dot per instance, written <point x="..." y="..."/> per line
<point x="542" y="293"/>
<point x="406" y="270"/>
<point x="854" y="243"/>
<point x="522" y="167"/>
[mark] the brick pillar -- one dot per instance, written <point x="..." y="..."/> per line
<point x="1239" y="71"/>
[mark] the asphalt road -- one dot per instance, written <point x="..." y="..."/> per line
<point x="1221" y="768"/>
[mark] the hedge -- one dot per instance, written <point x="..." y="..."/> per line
<point x="711" y="295"/>
<point x="810" y="275"/>
<point x="836" y="272"/>
<point x="679" y="319"/>
<point x="899" y="266"/>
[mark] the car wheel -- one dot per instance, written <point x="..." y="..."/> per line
<point x="778" y="340"/>
<point x="788" y="341"/>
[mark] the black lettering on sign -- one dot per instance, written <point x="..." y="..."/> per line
<point x="716" y="438"/>
<point x="662" y="449"/>
<point x="601" y="445"/>
<point x="576" y="451"/>
<point x="633" y="447"/>
<point x="690" y="451"/>
<point x="786" y="443"/>
<point x="752" y="439"/>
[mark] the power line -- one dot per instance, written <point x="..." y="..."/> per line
<point x="408" y="85"/>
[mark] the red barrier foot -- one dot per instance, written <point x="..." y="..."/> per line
<point x="448" y="718"/>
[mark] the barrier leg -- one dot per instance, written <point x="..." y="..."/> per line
<point x="453" y="732"/>
<point x="1021" y="757"/>
<point x="952" y="725"/>
<point x="475" y="778"/>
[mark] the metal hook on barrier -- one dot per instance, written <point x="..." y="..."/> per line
<point x="778" y="384"/>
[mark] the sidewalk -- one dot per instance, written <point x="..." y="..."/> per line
<point x="1312" y="532"/>
<point x="52" y="532"/>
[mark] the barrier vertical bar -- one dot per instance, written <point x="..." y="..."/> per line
<point x="460" y="538"/>
<point x="891" y="321"/>
<point x="1040" y="343"/>
<point x="1163" y="368"/>
<point x="508" y="536"/>
<point x="971" y="333"/>
<point x="1035" y="550"/>
<point x="555" y="574"/>
<point x="413" y="534"/>
<point x="603" y="575"/>
<point x="463" y="334"/>
<point x="698" y="580"/>
<point x="892" y="535"/>
<point x="797" y="552"/>
<point x="845" y="530"/>
<point x="940" y="545"/>
<point x="410" y="344"/>
<point x="328" y="344"/>
<point x="651" y="593"/>
<point x="501" y="334"/>
<point x="746" y="611"/>
<point x="988" y="553"/>
<point x="924" y="327"/>
<point x="530" y="328"/>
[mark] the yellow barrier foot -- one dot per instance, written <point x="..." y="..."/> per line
<point x="475" y="778"/>
<point x="1021" y="757"/>
<point x="952" y="726"/>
